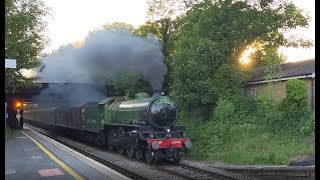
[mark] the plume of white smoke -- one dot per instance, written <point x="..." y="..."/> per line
<point x="69" y="94"/>
<point x="103" y="55"/>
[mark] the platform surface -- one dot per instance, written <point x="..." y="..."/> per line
<point x="28" y="156"/>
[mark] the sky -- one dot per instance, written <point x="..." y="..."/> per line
<point x="72" y="19"/>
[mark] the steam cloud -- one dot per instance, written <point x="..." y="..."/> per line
<point x="68" y="95"/>
<point x="103" y="56"/>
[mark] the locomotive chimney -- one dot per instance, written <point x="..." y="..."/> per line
<point x="156" y="93"/>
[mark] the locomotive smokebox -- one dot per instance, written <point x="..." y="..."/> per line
<point x="157" y="93"/>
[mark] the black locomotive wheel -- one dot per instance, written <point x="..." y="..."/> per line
<point x="110" y="146"/>
<point x="139" y="154"/>
<point x="120" y="150"/>
<point x="101" y="140"/>
<point x="177" y="156"/>
<point x="110" y="140"/>
<point x="131" y="152"/>
<point x="149" y="157"/>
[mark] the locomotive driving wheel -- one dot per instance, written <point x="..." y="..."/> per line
<point x="131" y="152"/>
<point x="139" y="154"/>
<point x="120" y="150"/>
<point x="120" y="140"/>
<point x="110" y="140"/>
<point x="110" y="146"/>
<point x="149" y="157"/>
<point x="101" y="140"/>
<point x="177" y="156"/>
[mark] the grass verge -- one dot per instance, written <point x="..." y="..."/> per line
<point x="246" y="144"/>
<point x="8" y="134"/>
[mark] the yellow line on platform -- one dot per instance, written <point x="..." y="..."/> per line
<point x="63" y="165"/>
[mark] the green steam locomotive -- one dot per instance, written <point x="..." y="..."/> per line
<point x="143" y="128"/>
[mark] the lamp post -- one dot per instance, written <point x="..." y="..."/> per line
<point x="10" y="64"/>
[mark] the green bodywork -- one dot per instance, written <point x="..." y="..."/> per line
<point x="91" y="118"/>
<point x="118" y="110"/>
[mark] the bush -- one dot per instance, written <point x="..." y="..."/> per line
<point x="264" y="106"/>
<point x="294" y="106"/>
<point x="244" y="109"/>
<point x="224" y="111"/>
<point x="268" y="114"/>
<point x="308" y="127"/>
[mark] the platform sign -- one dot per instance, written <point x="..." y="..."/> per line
<point x="11" y="63"/>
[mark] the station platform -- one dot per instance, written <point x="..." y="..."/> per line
<point x="30" y="155"/>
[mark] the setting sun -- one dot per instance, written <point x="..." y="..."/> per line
<point x="28" y="73"/>
<point x="78" y="43"/>
<point x="245" y="57"/>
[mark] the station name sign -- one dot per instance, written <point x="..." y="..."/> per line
<point x="11" y="63"/>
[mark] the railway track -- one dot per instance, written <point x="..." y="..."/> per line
<point x="186" y="171"/>
<point x="111" y="165"/>
<point x="191" y="172"/>
<point x="178" y="170"/>
<point x="266" y="173"/>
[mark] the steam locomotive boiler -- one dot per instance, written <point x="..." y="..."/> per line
<point x="144" y="127"/>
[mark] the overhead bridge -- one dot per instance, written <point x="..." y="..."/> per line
<point x="27" y="94"/>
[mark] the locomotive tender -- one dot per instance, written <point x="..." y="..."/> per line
<point x="144" y="127"/>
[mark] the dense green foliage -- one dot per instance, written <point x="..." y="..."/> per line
<point x="130" y="85"/>
<point x="216" y="34"/>
<point x="268" y="114"/>
<point x="246" y="130"/>
<point x="224" y="111"/>
<point x="224" y="123"/>
<point x="164" y="21"/>
<point x="295" y="105"/>
<point x="24" y="39"/>
<point x="245" y="143"/>
<point x="148" y="28"/>
<point x="229" y="81"/>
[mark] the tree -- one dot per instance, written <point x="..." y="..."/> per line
<point x="118" y="26"/>
<point x="165" y="16"/>
<point x="168" y="9"/>
<point x="128" y="84"/>
<point x="148" y="28"/>
<point x="217" y="33"/>
<point x="24" y="39"/>
<point x="229" y="81"/>
<point x="166" y="31"/>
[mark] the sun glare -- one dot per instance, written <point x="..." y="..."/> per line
<point x="78" y="43"/>
<point x="28" y="73"/>
<point x="245" y="57"/>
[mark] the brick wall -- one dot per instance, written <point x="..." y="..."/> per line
<point x="277" y="90"/>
